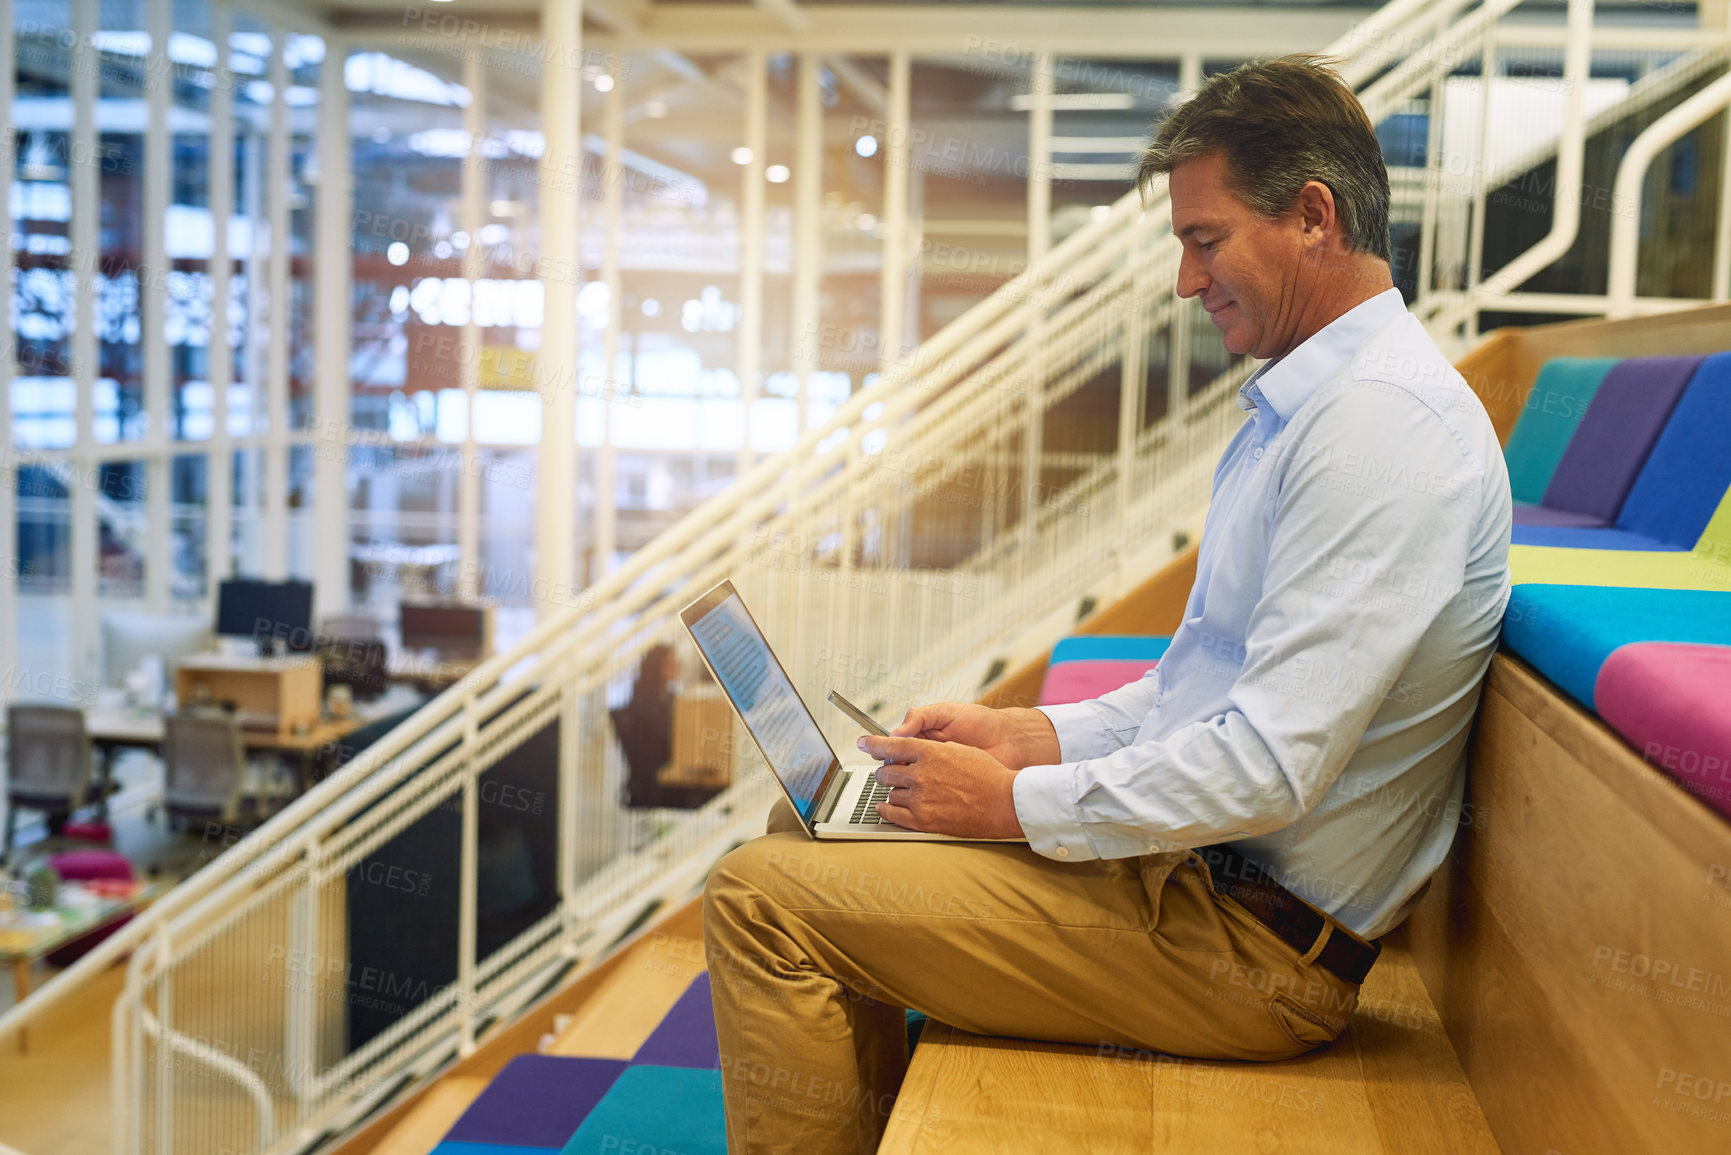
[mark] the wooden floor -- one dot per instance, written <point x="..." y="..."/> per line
<point x="1391" y="1085"/>
<point x="55" y="1099"/>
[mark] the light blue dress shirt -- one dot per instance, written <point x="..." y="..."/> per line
<point x="1314" y="706"/>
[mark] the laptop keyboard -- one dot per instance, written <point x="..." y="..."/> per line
<point x="865" y="811"/>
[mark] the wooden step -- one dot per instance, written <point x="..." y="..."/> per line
<point x="1390" y="1085"/>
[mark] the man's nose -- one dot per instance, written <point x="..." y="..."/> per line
<point x="1191" y="277"/>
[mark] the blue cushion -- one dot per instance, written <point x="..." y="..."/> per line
<point x="1689" y="469"/>
<point x="489" y="1149"/>
<point x="1567" y="632"/>
<point x="1553" y="411"/>
<point x="1122" y="647"/>
<point x="661" y="1109"/>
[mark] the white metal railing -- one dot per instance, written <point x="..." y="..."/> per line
<point x="1632" y="175"/>
<point x="951" y="514"/>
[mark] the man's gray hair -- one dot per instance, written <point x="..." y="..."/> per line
<point x="1280" y="124"/>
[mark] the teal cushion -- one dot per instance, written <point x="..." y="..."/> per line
<point x="1567" y="632"/>
<point x="1553" y="411"/>
<point x="662" y="1109"/>
<point x="1123" y="647"/>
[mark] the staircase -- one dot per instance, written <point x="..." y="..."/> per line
<point x="1037" y="457"/>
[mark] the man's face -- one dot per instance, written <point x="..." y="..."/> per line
<point x="1246" y="269"/>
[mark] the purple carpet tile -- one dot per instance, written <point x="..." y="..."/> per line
<point x="686" y="1037"/>
<point x="536" y="1101"/>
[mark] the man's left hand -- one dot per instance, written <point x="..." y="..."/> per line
<point x="945" y="788"/>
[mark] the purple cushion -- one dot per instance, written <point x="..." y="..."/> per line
<point x="686" y="1037"/>
<point x="1672" y="700"/>
<point x="536" y="1101"/>
<point x="1089" y="678"/>
<point x="1617" y="433"/>
<point x="1562" y="518"/>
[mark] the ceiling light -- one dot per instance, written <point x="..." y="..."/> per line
<point x="776" y="174"/>
<point x="866" y="146"/>
<point x="742" y="155"/>
<point x="1075" y="101"/>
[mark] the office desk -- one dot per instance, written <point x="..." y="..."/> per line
<point x="119" y="727"/>
<point x="287" y="691"/>
<point x="429" y="673"/>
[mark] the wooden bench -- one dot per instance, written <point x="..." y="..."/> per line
<point x="1390" y="1085"/>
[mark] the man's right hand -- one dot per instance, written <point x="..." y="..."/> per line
<point x="1015" y="737"/>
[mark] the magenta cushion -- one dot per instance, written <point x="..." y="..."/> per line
<point x="85" y="865"/>
<point x="1089" y="678"/>
<point x="1673" y="701"/>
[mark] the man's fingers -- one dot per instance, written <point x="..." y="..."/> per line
<point x="893" y="775"/>
<point x="900" y="815"/>
<point x="927" y="721"/>
<point x="919" y="719"/>
<point x="893" y="749"/>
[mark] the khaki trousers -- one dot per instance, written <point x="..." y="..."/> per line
<point x="816" y="948"/>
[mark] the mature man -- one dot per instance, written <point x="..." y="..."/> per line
<point x="1213" y="850"/>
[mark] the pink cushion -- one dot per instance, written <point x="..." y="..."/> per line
<point x="84" y="865"/>
<point x="1673" y="701"/>
<point x="1089" y="678"/>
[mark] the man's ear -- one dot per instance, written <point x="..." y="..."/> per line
<point x="1316" y="215"/>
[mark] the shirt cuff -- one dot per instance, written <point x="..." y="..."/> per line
<point x="1045" y="806"/>
<point x="1081" y="734"/>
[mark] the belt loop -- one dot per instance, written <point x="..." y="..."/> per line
<point x="1321" y="941"/>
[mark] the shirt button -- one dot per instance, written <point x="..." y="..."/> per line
<point x="1257" y="453"/>
<point x="1152" y="849"/>
<point x="1062" y="852"/>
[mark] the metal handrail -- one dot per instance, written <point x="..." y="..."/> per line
<point x="1626" y="190"/>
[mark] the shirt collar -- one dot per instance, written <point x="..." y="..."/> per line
<point x="1287" y="383"/>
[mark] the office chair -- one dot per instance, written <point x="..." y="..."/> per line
<point x="351" y="649"/>
<point x="204" y="768"/>
<point x="48" y="762"/>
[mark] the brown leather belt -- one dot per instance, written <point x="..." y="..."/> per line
<point x="1288" y="916"/>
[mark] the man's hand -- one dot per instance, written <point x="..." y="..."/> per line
<point x="1017" y="738"/>
<point x="945" y="788"/>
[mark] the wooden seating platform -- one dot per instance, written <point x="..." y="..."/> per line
<point x="1390" y="1085"/>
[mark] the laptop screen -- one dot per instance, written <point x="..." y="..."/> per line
<point x="783" y="728"/>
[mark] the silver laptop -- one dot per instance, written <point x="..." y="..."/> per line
<point x="832" y="800"/>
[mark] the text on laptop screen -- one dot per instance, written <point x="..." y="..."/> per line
<point x="778" y="720"/>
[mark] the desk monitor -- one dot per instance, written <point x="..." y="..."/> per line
<point x="128" y="639"/>
<point x="275" y="614"/>
<point x="452" y="628"/>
